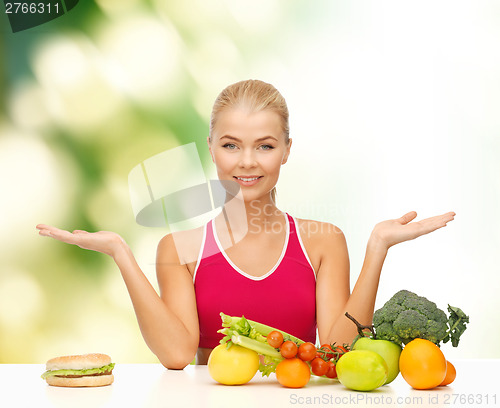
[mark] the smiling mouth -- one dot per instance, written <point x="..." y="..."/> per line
<point x="247" y="179"/>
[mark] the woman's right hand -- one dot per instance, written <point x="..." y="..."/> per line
<point x="103" y="241"/>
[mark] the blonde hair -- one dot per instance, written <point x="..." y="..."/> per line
<point x="255" y="96"/>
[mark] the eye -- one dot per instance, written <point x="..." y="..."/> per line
<point x="267" y="147"/>
<point x="229" y="146"/>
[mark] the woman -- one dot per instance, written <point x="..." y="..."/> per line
<point x="252" y="259"/>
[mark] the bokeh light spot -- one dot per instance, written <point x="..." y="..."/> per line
<point x="144" y="52"/>
<point x="21" y="300"/>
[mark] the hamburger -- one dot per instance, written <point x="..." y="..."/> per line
<point x="86" y="370"/>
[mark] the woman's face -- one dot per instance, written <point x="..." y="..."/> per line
<point x="249" y="149"/>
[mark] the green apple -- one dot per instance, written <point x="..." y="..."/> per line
<point x="388" y="350"/>
<point x="362" y="370"/>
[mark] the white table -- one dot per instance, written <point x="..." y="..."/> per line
<point x="151" y="385"/>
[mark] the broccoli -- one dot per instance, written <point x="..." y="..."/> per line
<point x="407" y="316"/>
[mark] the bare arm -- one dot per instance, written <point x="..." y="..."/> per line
<point x="169" y="323"/>
<point x="334" y="326"/>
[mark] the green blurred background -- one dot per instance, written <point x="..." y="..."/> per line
<point x="394" y="107"/>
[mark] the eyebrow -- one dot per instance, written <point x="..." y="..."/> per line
<point x="239" y="140"/>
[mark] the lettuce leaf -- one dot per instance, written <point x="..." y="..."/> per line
<point x="88" y="371"/>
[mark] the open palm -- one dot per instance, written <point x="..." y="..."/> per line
<point x="102" y="241"/>
<point x="392" y="232"/>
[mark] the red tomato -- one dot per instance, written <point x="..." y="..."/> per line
<point x="332" y="370"/>
<point x="326" y="347"/>
<point x="307" y="351"/>
<point x="325" y="352"/>
<point x="340" y="349"/>
<point x="275" y="339"/>
<point x="319" y="366"/>
<point x="289" y="349"/>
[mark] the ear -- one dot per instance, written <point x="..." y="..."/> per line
<point x="287" y="152"/>
<point x="210" y="148"/>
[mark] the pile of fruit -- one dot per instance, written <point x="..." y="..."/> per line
<point x="237" y="360"/>
<point x="371" y="361"/>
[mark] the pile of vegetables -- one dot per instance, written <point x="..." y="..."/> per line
<point x="292" y="359"/>
<point x="405" y="335"/>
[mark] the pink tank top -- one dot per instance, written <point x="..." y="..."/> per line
<point x="285" y="297"/>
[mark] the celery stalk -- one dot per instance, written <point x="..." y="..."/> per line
<point x="257" y="346"/>
<point x="263" y="329"/>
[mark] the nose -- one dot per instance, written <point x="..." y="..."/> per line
<point x="247" y="158"/>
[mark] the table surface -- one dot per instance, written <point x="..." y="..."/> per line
<point x="151" y="385"/>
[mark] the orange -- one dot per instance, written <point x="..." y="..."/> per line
<point x="422" y="364"/>
<point x="451" y="374"/>
<point x="293" y="373"/>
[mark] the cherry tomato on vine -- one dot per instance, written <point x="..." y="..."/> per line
<point x="307" y="351"/>
<point x="319" y="366"/>
<point x="325" y="352"/>
<point x="340" y="349"/>
<point x="332" y="370"/>
<point x="275" y="339"/>
<point x="289" y="349"/>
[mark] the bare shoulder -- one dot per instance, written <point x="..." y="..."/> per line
<point x="318" y="231"/>
<point x="321" y="239"/>
<point x="181" y="247"/>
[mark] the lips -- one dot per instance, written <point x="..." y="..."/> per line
<point x="247" y="180"/>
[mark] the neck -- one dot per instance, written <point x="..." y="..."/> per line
<point x="253" y="216"/>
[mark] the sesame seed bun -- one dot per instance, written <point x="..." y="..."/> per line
<point x="79" y="362"/>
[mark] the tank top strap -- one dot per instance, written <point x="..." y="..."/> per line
<point x="291" y="221"/>
<point x="295" y="244"/>
<point x="293" y="240"/>
<point x="210" y="245"/>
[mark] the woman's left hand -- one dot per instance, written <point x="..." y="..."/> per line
<point x="392" y="232"/>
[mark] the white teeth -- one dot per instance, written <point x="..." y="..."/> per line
<point x="247" y="179"/>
